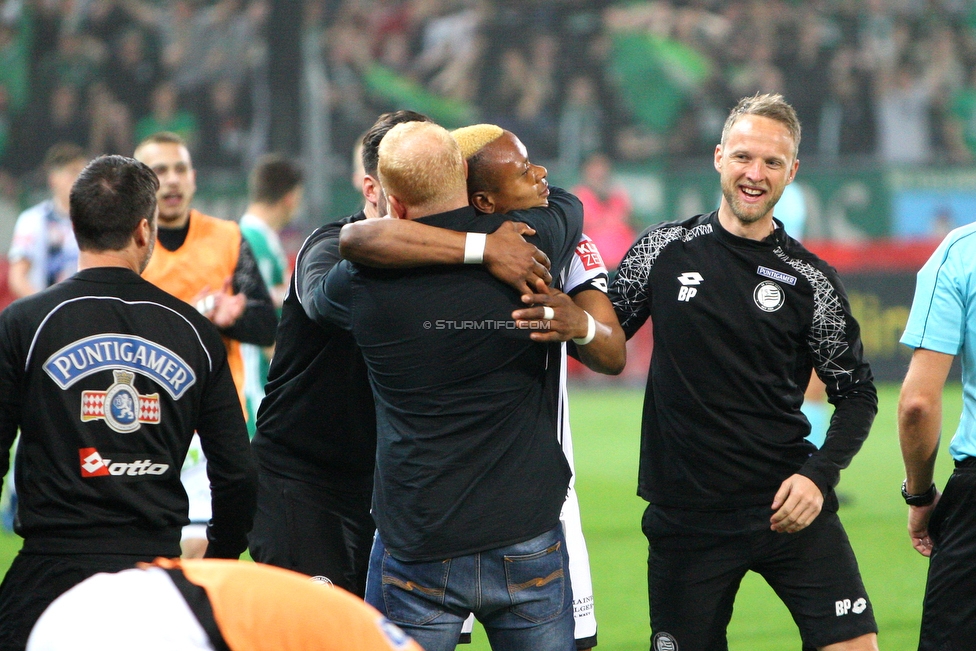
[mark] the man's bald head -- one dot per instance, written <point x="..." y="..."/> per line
<point x="421" y="165"/>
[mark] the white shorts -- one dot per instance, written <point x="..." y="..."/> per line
<point x="196" y="483"/>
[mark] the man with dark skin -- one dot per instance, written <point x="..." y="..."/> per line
<point x="501" y="179"/>
<point x="479" y="425"/>
<point x="316" y="474"/>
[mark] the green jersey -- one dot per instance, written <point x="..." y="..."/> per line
<point x="273" y="265"/>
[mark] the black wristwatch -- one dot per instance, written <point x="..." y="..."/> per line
<point x="922" y="499"/>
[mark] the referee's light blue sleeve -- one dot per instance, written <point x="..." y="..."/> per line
<point x="937" y="321"/>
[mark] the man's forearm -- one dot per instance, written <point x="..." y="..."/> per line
<point x="233" y="514"/>
<point x="607" y="352"/>
<point x="854" y="414"/>
<point x="918" y="434"/>
<point x="920" y="416"/>
<point x="395" y="243"/>
<point x="231" y="469"/>
<point x="398" y="243"/>
<point x="18" y="279"/>
<point x="259" y="320"/>
<point x="257" y="325"/>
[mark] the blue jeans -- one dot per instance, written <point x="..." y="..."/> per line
<point x="521" y="594"/>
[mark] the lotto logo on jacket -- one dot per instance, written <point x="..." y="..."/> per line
<point x="128" y="466"/>
<point x="113" y="351"/>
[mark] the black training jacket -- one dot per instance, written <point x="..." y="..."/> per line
<point x="738" y="324"/>
<point x="107" y="377"/>
<point x="317" y="422"/>
<point x="467" y="457"/>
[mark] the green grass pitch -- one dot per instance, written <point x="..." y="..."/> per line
<point x="605" y="436"/>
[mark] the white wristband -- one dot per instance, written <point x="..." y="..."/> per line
<point x="474" y="248"/>
<point x="590" y="331"/>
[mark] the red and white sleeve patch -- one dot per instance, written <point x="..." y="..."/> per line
<point x="589" y="255"/>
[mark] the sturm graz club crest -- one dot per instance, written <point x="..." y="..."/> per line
<point x="769" y="296"/>
<point x="664" y="642"/>
<point x="120" y="406"/>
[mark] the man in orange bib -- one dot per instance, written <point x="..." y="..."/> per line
<point x="212" y="604"/>
<point x="206" y="262"/>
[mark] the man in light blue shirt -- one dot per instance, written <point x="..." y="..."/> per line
<point x="942" y="525"/>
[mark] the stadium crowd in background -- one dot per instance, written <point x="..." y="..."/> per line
<point x="639" y="81"/>
<point x="643" y="80"/>
<point x="104" y="75"/>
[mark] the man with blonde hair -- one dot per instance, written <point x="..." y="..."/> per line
<point x="316" y="474"/>
<point x="469" y="475"/>
<point x="741" y="313"/>
<point x="315" y="480"/>
<point x="500" y="180"/>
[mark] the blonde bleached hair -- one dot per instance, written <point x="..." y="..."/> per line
<point x="421" y="164"/>
<point x="473" y="139"/>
